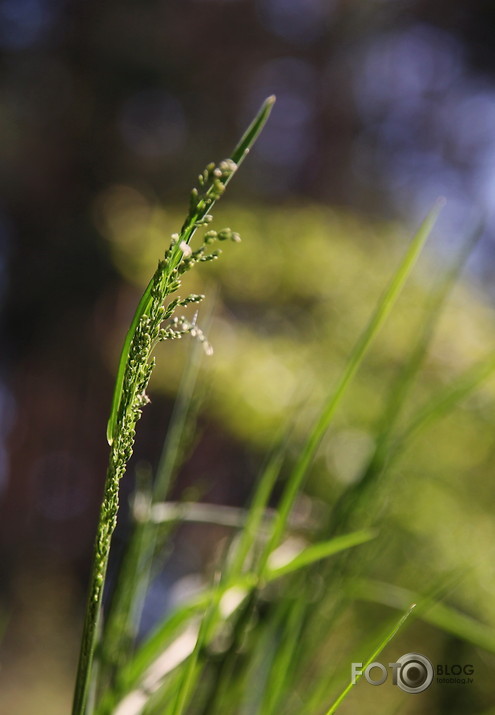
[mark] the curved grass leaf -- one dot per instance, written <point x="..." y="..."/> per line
<point x="431" y="611"/>
<point x="186" y="233"/>
<point x="147" y="654"/>
<point x="382" y="310"/>
<point x="390" y="634"/>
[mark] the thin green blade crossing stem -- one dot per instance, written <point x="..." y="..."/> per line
<point x="379" y="461"/>
<point x="134" y="672"/>
<point x="430" y="610"/>
<point x="386" y="640"/>
<point x="382" y="310"/>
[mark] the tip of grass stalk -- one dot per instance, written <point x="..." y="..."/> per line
<point x="437" y="207"/>
<point x="271" y="99"/>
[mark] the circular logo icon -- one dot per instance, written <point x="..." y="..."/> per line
<point x="415" y="673"/>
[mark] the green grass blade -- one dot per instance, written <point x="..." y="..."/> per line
<point x="442" y="403"/>
<point x="429" y="610"/>
<point x="381" y="312"/>
<point x="433" y="311"/>
<point x="224" y="670"/>
<point x="191" y="667"/>
<point x="186" y="233"/>
<point x="132" y="673"/>
<point x="388" y="451"/>
<point x="250" y="533"/>
<point x="284" y="655"/>
<point x="286" y="651"/>
<point x="133" y="374"/>
<point x="320" y="551"/>
<point x="252" y="132"/>
<point x="168" y="630"/>
<point x="160" y="701"/>
<point x="349" y="502"/>
<point x="383" y="643"/>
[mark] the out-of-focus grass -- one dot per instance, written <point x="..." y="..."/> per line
<point x="289" y="318"/>
<point x="293" y="299"/>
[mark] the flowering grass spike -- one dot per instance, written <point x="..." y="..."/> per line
<point x="136" y="365"/>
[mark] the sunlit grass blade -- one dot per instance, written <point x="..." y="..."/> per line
<point x="224" y="672"/>
<point x="432" y="313"/>
<point x="391" y="448"/>
<point x="317" y="552"/>
<point x="161" y="700"/>
<point x="186" y="233"/>
<point x="252" y="132"/>
<point x="203" y="513"/>
<point x="151" y="649"/>
<point x="279" y="680"/>
<point x="134" y="373"/>
<point x="191" y="667"/>
<point x="382" y="310"/>
<point x="440" y="404"/>
<point x="140" y="666"/>
<point x="429" y="610"/>
<point x="250" y="532"/>
<point x="224" y="669"/>
<point x="376" y="465"/>
<point x="132" y="674"/>
<point x="251" y="522"/>
<point x="391" y="633"/>
<point x="143" y="305"/>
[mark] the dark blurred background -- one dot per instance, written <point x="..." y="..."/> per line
<point x="382" y="105"/>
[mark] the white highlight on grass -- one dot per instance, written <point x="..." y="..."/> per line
<point x="171" y="657"/>
<point x="286" y="552"/>
<point x="231" y="600"/>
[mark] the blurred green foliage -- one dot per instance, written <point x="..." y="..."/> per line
<point x="293" y="298"/>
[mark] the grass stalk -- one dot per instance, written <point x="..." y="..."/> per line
<point x="134" y="372"/>
<point x="385" y="449"/>
<point x="390" y="634"/>
<point x="123" y="618"/>
<point x="430" y="610"/>
<point x="379" y="316"/>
